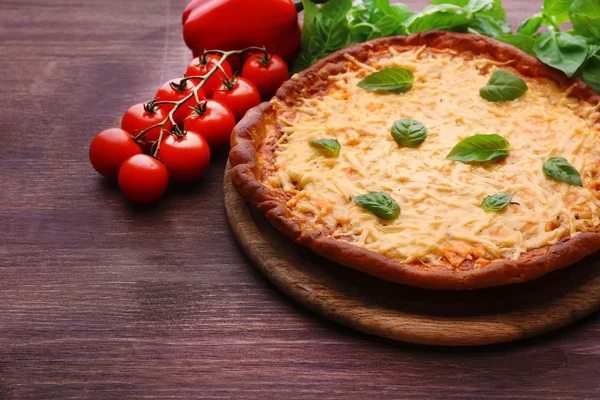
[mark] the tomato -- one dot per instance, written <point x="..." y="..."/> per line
<point x="175" y="90"/>
<point x="142" y="116"/>
<point x="213" y="121"/>
<point x="239" y="95"/>
<point x="200" y="66"/>
<point x="110" y="149"/>
<point x="186" y="158"/>
<point x="143" y="179"/>
<point x="267" y="73"/>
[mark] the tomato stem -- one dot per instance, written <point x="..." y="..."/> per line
<point x="177" y="104"/>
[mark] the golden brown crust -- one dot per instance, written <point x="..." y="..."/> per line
<point x="247" y="140"/>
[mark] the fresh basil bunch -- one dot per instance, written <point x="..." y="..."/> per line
<point x="576" y="52"/>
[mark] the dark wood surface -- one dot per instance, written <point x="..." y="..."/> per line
<point x="102" y="300"/>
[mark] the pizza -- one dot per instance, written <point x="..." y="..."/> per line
<point x="439" y="160"/>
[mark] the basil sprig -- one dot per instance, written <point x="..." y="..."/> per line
<point x="496" y="202"/>
<point x="397" y="80"/>
<point x="559" y="168"/>
<point x="409" y="132"/>
<point x="327" y="147"/>
<point x="341" y="23"/>
<point x="503" y="86"/>
<point x="480" y="148"/>
<point x="379" y="203"/>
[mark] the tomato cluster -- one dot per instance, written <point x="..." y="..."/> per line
<point x="172" y="136"/>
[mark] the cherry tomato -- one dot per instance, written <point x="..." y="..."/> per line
<point x="110" y="149"/>
<point x="175" y="90"/>
<point x="239" y="95"/>
<point x="186" y="158"/>
<point x="267" y="73"/>
<point x="213" y="121"/>
<point x="143" y="179"/>
<point x="200" y="66"/>
<point x="142" y="116"/>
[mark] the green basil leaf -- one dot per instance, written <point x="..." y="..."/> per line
<point x="531" y="25"/>
<point x="480" y="148"/>
<point x="379" y="203"/>
<point x="398" y="80"/>
<point x="491" y="8"/>
<point x="327" y="147"/>
<point x="324" y="31"/>
<point x="590" y="73"/>
<point x="496" y="202"/>
<point x="476" y="6"/>
<point x="362" y="32"/>
<point x="559" y="168"/>
<point x="557" y="9"/>
<point x="523" y="42"/>
<point x="561" y="50"/>
<point x="585" y="15"/>
<point x="443" y="16"/>
<point x="409" y="133"/>
<point x="503" y="86"/>
<point x="458" y="3"/>
<point x="488" y="26"/>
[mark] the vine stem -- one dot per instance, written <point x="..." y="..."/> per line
<point x="176" y="105"/>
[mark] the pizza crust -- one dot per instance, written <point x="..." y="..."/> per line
<point x="247" y="139"/>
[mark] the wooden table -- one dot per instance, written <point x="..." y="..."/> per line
<point x="102" y="300"/>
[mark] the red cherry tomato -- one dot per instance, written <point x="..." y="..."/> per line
<point x="142" y="116"/>
<point x="175" y="90"/>
<point x="110" y="149"/>
<point x="239" y="95"/>
<point x="186" y="158"/>
<point x="213" y="121"/>
<point x="200" y="66"/>
<point x="267" y="73"/>
<point x="143" y="179"/>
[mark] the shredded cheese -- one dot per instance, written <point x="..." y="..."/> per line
<point x="440" y="199"/>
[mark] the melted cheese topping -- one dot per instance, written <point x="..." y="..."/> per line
<point x="441" y="218"/>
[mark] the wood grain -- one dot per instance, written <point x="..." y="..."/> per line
<point x="100" y="300"/>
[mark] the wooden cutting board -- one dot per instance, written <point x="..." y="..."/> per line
<point x="449" y="318"/>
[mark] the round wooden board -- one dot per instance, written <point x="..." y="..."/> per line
<point x="449" y="318"/>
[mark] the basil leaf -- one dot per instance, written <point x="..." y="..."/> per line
<point x="496" y="11"/>
<point x="531" y="25"/>
<point x="443" y="16"/>
<point x="379" y="203"/>
<point x="557" y="9"/>
<point x="503" y="86"/>
<point x="561" y="50"/>
<point x="590" y="73"/>
<point x="488" y="26"/>
<point x="480" y="148"/>
<point x="476" y="6"/>
<point x="559" y="168"/>
<point x="398" y="80"/>
<point x="496" y="202"/>
<point x="585" y="15"/>
<point x="408" y="132"/>
<point x="523" y="42"/>
<point x="324" y="31"/>
<point x="327" y="147"/>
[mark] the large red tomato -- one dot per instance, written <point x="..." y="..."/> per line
<point x="239" y="95"/>
<point x="142" y="116"/>
<point x="267" y="73"/>
<point x="143" y="179"/>
<point x="110" y="149"/>
<point x="186" y="158"/>
<point x="214" y="121"/>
